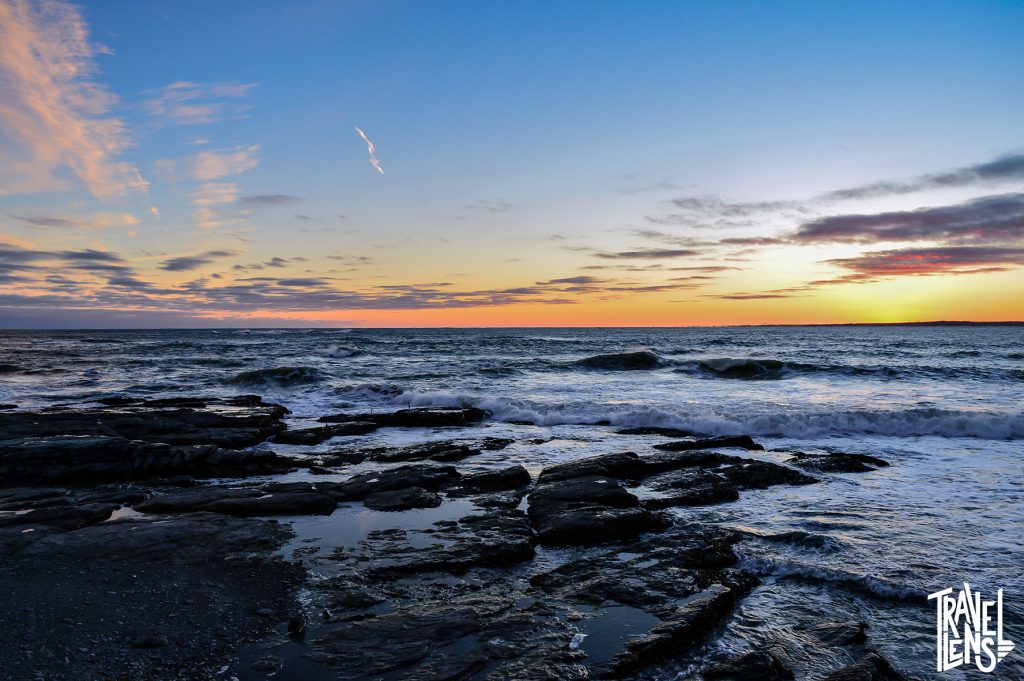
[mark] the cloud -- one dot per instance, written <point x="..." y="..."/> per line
<point x="374" y="161"/>
<point x="572" y="280"/>
<point x="753" y="241"/>
<point x="185" y="103"/>
<point x="191" y="262"/>
<point x="100" y="220"/>
<point x="718" y="213"/>
<point x="1002" y="169"/>
<point x="43" y="221"/>
<point x="990" y="218"/>
<point x="54" y="114"/>
<point x="91" y="254"/>
<point x="652" y="253"/>
<point x="261" y="200"/>
<point x="209" y="165"/>
<point x="488" y="206"/>
<point x="926" y="261"/>
<point x="214" y="193"/>
<point x="750" y="296"/>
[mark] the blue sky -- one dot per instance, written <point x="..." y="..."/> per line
<point x="510" y="133"/>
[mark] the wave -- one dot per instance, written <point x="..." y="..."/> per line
<point x="623" y="361"/>
<point x="9" y="369"/>
<point x="775" y="369"/>
<point x="341" y="351"/>
<point x="281" y="376"/>
<point x="797" y="538"/>
<point x="806" y="425"/>
<point x="876" y="586"/>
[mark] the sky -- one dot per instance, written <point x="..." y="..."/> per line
<point x="178" y="164"/>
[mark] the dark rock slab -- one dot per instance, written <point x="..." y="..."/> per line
<point x="759" y="664"/>
<point x="93" y="603"/>
<point x="833" y="634"/>
<point x="304" y="436"/>
<point x="430" y="417"/>
<point x="837" y="462"/>
<point x="242" y="502"/>
<point x="697" y="495"/>
<point x="402" y="499"/>
<point x="445" y="450"/>
<point x="872" y="667"/>
<point x="656" y="430"/>
<point x="314" y="436"/>
<point x="97" y="458"/>
<point x="511" y="478"/>
<point x="64" y="517"/>
<point x="701" y="478"/>
<point x="414" y="475"/>
<point x="585" y="525"/>
<point x="231" y="422"/>
<point x="588" y="510"/>
<point x="439" y="612"/>
<point x="740" y="441"/>
<point x="492" y="539"/>
<point x="623" y="466"/>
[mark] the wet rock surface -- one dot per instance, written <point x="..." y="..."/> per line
<point x="402" y="477"/>
<point x="740" y="441"/>
<point x="582" y="503"/>
<point x="141" y="599"/>
<point x="837" y="462"/>
<point x="225" y="422"/>
<point x="402" y="499"/>
<point x="243" y="502"/>
<point x="688" y="478"/>
<point x="92" y="458"/>
<point x="761" y="665"/>
<point x="487" y="571"/>
<point x="415" y="418"/>
<point x="130" y="439"/>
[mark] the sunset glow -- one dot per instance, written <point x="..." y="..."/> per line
<point x="652" y="180"/>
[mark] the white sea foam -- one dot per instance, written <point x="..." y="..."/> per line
<point x="895" y="423"/>
<point x="340" y="352"/>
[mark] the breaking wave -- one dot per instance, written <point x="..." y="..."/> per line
<point x="891" y="423"/>
<point x="623" y="361"/>
<point x="341" y="351"/>
<point x="875" y="586"/>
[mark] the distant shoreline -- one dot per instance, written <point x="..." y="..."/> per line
<point x="481" y="328"/>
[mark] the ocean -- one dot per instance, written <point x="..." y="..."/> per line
<point x="944" y="405"/>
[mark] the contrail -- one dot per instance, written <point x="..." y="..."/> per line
<point x="369" y="147"/>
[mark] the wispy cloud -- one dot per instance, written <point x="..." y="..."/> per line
<point x="990" y="218"/>
<point x="261" y="200"/>
<point x="374" y="161"/>
<point x="649" y="253"/>
<point x="923" y="261"/>
<point x="1003" y="169"/>
<point x="100" y="220"/>
<point x="191" y="262"/>
<point x="185" y="103"/>
<point x="54" y="114"/>
<point x="215" y="193"/>
<point x="209" y="165"/>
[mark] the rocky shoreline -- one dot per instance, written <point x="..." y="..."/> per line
<point x="150" y="539"/>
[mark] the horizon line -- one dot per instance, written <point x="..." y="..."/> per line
<point x="590" y="326"/>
